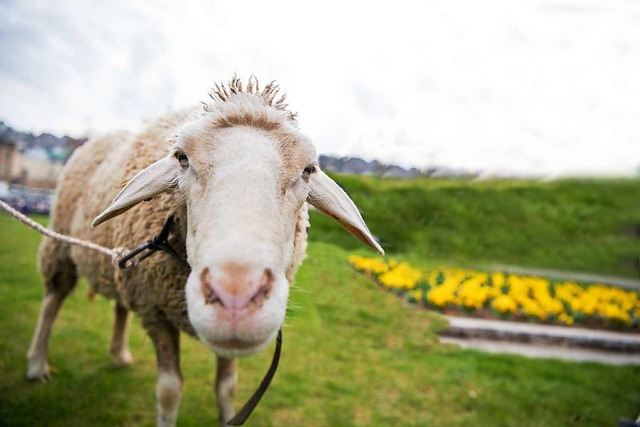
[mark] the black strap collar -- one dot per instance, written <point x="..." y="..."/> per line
<point x="158" y="243"/>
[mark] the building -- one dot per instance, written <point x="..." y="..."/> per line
<point x="8" y="156"/>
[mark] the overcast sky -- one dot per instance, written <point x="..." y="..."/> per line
<point x="503" y="86"/>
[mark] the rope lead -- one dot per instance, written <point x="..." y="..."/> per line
<point x="113" y="253"/>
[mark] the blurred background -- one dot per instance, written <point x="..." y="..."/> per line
<point x="517" y="88"/>
<point x="488" y="136"/>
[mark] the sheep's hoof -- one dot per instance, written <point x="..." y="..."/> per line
<point x="122" y="358"/>
<point x="39" y="374"/>
<point x="44" y="378"/>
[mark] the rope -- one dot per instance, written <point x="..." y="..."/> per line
<point x="115" y="253"/>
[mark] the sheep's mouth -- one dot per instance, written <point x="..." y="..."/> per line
<point x="238" y="347"/>
<point x="237" y="344"/>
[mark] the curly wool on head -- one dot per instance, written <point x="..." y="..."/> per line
<point x="235" y="92"/>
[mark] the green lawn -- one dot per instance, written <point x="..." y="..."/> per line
<point x="353" y="356"/>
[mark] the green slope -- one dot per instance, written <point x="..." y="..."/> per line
<point x="584" y="225"/>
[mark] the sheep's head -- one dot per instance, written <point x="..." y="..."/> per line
<point x="244" y="171"/>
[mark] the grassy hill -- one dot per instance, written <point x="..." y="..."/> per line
<point x="353" y="356"/>
<point x="584" y="225"/>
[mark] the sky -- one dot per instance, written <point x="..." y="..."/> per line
<point x="503" y="87"/>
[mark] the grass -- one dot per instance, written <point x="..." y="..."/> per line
<point x="353" y="356"/>
<point x="585" y="225"/>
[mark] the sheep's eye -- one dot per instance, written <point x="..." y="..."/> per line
<point x="306" y="173"/>
<point x="182" y="159"/>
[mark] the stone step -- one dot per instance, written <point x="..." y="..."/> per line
<point x="546" y="351"/>
<point x="560" y="336"/>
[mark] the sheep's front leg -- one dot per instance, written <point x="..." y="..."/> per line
<point x="38" y="369"/>
<point x="119" y="339"/>
<point x="166" y="339"/>
<point x="226" y="379"/>
<point x="60" y="278"/>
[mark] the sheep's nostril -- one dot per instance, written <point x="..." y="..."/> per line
<point x="235" y="292"/>
<point x="266" y="284"/>
<point x="210" y="296"/>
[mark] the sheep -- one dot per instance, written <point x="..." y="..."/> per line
<point x="238" y="176"/>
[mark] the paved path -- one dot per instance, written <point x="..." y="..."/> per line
<point x="545" y="352"/>
<point x="535" y="340"/>
<point x="622" y="282"/>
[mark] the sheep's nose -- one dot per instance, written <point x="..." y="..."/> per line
<point x="236" y="287"/>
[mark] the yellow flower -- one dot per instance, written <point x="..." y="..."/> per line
<point x="497" y="279"/>
<point x="614" y="314"/>
<point x="472" y="294"/>
<point x="505" y="304"/>
<point x="416" y="295"/>
<point x="368" y="265"/>
<point x="532" y="308"/>
<point x="402" y="276"/>
<point x="441" y="296"/>
<point x="566" y="319"/>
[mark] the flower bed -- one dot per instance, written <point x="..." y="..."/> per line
<point x="506" y="296"/>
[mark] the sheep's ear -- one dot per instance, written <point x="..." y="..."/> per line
<point x="158" y="178"/>
<point x="331" y="200"/>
